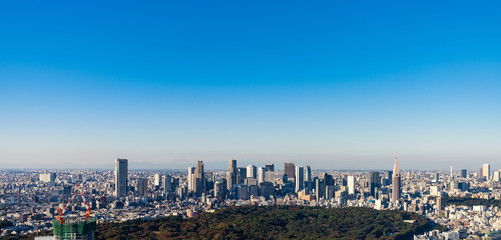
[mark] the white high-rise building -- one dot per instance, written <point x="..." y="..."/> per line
<point x="157" y="180"/>
<point x="486" y="171"/>
<point x="299" y="178"/>
<point x="251" y="171"/>
<point x="261" y="174"/>
<point x="351" y="185"/>
<point x="121" y="177"/>
<point x="191" y="171"/>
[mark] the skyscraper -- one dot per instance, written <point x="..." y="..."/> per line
<point x="374" y="183"/>
<point x="463" y="173"/>
<point x="351" y="185"/>
<point x="121" y="181"/>
<point x="396" y="188"/>
<point x="251" y="171"/>
<point x="232" y="174"/>
<point x="308" y="179"/>
<point x="199" y="179"/>
<point x="142" y="187"/>
<point x="270" y="167"/>
<point x="289" y="170"/>
<point x="190" y="179"/>
<point x="261" y="174"/>
<point x="486" y="171"/>
<point x="299" y="178"/>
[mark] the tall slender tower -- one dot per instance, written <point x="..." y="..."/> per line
<point x="396" y="187"/>
<point x="199" y="181"/>
<point x="231" y="177"/>
<point x="299" y="178"/>
<point x="121" y="182"/>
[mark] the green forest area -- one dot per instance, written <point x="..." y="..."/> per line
<point x="277" y="222"/>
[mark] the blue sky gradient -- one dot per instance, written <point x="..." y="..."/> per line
<point x="340" y="85"/>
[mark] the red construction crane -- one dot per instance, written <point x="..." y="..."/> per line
<point x="61" y="212"/>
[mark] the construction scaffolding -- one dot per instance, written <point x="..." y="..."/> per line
<point x="74" y="229"/>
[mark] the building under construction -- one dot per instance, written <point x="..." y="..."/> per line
<point x="74" y="229"/>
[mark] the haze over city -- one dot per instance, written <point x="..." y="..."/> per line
<point x="330" y="85"/>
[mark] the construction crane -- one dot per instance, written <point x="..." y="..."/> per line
<point x="78" y="189"/>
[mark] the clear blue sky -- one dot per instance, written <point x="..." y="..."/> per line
<point x="332" y="84"/>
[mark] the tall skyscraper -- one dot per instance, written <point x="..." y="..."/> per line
<point x="289" y="170"/>
<point x="199" y="179"/>
<point x="396" y="188"/>
<point x="251" y="171"/>
<point x="190" y="179"/>
<point x="299" y="178"/>
<point x="463" y="173"/>
<point x="486" y="171"/>
<point x="121" y="178"/>
<point x="308" y="179"/>
<point x="158" y="180"/>
<point x="328" y="180"/>
<point x="232" y="174"/>
<point x="388" y="175"/>
<point x="261" y="174"/>
<point x="351" y="185"/>
<point x="270" y="167"/>
<point x="142" y="187"/>
<point x="374" y="183"/>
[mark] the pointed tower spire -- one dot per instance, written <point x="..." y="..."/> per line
<point x="395" y="167"/>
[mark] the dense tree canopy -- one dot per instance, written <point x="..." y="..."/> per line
<point x="277" y="222"/>
<point x="280" y="222"/>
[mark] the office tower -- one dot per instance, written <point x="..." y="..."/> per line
<point x="47" y="177"/>
<point x="190" y="179"/>
<point x="142" y="187"/>
<point x="319" y="188"/>
<point x="229" y="184"/>
<point x="328" y="179"/>
<point x="463" y="173"/>
<point x="233" y="171"/>
<point x="480" y="173"/>
<point x="351" y="185"/>
<point x="157" y="181"/>
<point x="254" y="190"/>
<point x="439" y="203"/>
<point x="251" y="171"/>
<point x="495" y="177"/>
<point x="270" y="167"/>
<point x="329" y="192"/>
<point x="121" y="178"/>
<point x="308" y="179"/>
<point x="242" y="174"/>
<point x="289" y="170"/>
<point x="436" y="177"/>
<point x="396" y="188"/>
<point x="373" y="183"/>
<point x="166" y="183"/>
<point x="388" y="175"/>
<point x="269" y="177"/>
<point x="266" y="189"/>
<point x="219" y="188"/>
<point x="199" y="179"/>
<point x="486" y="171"/>
<point x="299" y="178"/>
<point x="260" y="174"/>
<point x="243" y="192"/>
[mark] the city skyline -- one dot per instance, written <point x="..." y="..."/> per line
<point x="329" y="85"/>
